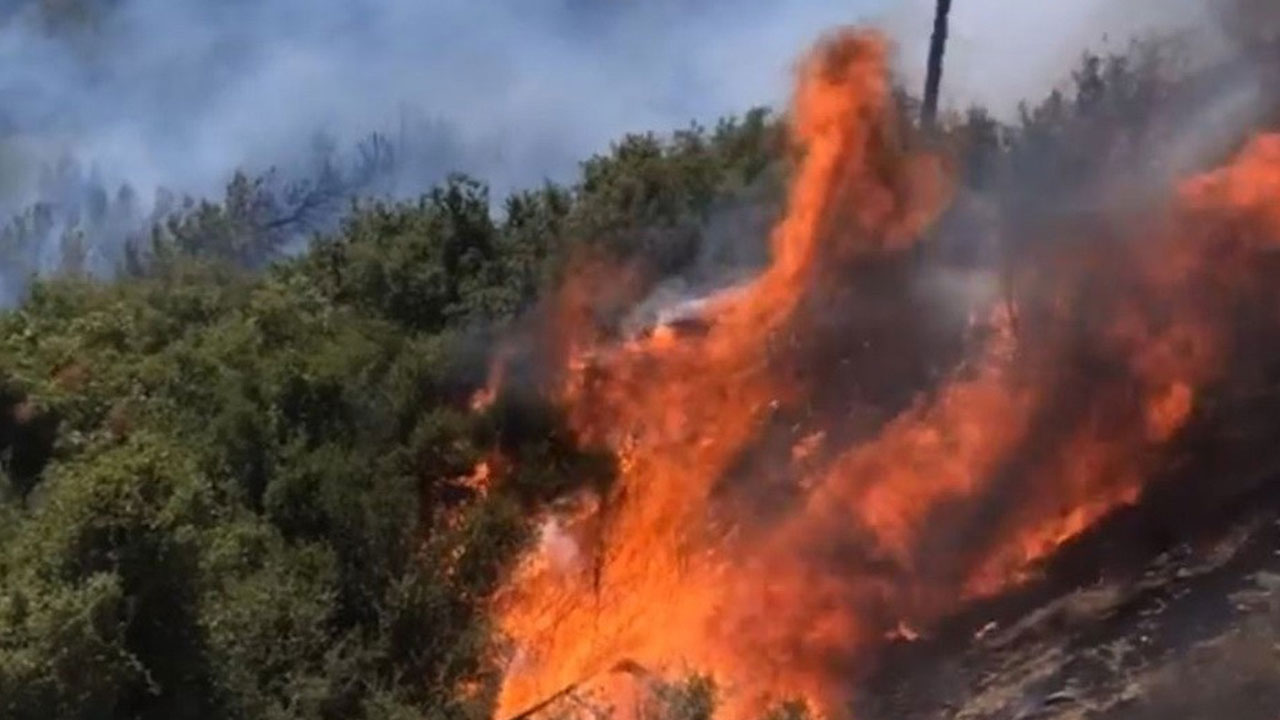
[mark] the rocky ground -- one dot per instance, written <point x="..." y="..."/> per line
<point x="1192" y="633"/>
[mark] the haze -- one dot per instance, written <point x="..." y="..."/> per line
<point x="179" y="93"/>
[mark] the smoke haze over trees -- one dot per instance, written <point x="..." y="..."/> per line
<point x="125" y="98"/>
<point x="246" y="476"/>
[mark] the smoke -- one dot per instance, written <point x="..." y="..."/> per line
<point x="178" y="94"/>
<point x="1002" y="53"/>
<point x="818" y="464"/>
<point x="181" y="93"/>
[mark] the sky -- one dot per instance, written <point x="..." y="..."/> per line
<point x="179" y="93"/>
<point x="1003" y="51"/>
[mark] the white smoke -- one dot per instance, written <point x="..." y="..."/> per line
<point x="1001" y="53"/>
<point x="181" y="92"/>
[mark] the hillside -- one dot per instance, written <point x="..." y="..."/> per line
<point x="461" y="454"/>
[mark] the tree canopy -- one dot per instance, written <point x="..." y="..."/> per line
<point x="235" y="477"/>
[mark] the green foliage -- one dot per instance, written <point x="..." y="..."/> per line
<point x="229" y="489"/>
<point x="649" y="199"/>
<point x="232" y="483"/>
<point x="99" y="587"/>
<point x="426" y="265"/>
<point x="237" y="230"/>
<point x="250" y="502"/>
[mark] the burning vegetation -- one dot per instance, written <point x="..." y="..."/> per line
<point x="838" y="413"/>
<point x="763" y="531"/>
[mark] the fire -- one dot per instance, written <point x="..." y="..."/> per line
<point x="679" y="413"/>
<point x="1048" y="425"/>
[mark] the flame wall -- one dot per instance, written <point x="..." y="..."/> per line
<point x="777" y="565"/>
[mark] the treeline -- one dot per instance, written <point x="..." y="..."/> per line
<point x="237" y="481"/>
<point x="241" y="491"/>
<point x="73" y="222"/>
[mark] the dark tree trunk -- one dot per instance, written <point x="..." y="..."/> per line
<point x="937" y="49"/>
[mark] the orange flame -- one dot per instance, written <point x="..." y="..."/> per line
<point x="1034" y="439"/>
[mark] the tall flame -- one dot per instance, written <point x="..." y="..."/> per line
<point x="1050" y="424"/>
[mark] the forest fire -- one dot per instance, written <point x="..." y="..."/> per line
<point x="1052" y="419"/>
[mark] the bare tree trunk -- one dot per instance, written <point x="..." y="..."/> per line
<point x="933" y="81"/>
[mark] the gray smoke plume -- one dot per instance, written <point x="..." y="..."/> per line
<point x="1001" y="53"/>
<point x="178" y="94"/>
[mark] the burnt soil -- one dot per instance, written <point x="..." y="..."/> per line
<point x="1167" y="610"/>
